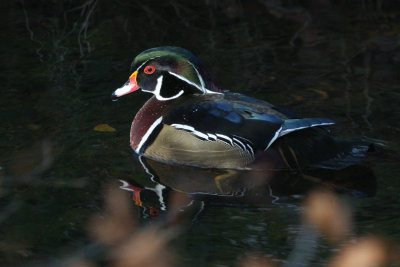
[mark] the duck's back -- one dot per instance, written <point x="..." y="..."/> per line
<point x="228" y="130"/>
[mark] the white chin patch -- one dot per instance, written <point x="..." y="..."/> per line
<point x="157" y="91"/>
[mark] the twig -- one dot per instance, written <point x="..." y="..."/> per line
<point x="369" y="99"/>
<point x="31" y="35"/>
<point x="85" y="25"/>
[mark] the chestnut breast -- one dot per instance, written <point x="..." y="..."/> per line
<point x="146" y="116"/>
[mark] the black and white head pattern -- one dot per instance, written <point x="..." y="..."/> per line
<point x="169" y="79"/>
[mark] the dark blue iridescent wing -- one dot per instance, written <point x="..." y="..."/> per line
<point x="235" y="116"/>
<point x="226" y="121"/>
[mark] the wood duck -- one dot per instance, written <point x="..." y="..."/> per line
<point x="189" y="121"/>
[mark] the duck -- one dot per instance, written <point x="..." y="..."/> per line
<point x="189" y="121"/>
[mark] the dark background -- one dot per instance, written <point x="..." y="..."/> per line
<point x="61" y="60"/>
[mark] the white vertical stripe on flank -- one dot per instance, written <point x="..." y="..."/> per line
<point x="147" y="134"/>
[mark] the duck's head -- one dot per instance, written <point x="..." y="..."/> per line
<point x="168" y="73"/>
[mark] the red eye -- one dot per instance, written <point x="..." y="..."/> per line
<point x="149" y="69"/>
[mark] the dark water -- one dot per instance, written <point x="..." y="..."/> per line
<point x="62" y="59"/>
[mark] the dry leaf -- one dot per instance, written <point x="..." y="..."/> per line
<point x="324" y="210"/>
<point x="117" y="222"/>
<point x="256" y="260"/>
<point x="147" y="247"/>
<point x="368" y="252"/>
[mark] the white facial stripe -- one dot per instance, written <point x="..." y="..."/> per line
<point x="159" y="85"/>
<point x="204" y="90"/>
<point x="274" y="138"/>
<point x="157" y="91"/>
<point x="198" y="76"/>
<point x="186" y="80"/>
<point x="143" y="64"/>
<point x="147" y="134"/>
<point x="146" y="62"/>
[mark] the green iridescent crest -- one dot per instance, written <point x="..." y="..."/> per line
<point x="173" y="59"/>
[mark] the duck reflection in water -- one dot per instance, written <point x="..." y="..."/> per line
<point x="258" y="186"/>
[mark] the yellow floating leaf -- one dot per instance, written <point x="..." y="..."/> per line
<point x="104" y="128"/>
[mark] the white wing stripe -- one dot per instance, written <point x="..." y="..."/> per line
<point x="240" y="143"/>
<point x="225" y="138"/>
<point x="277" y="134"/>
<point x="182" y="126"/>
<point x="190" y="129"/>
<point x="303" y="127"/>
<point x="200" y="134"/>
<point x="251" y="149"/>
<point x="212" y="136"/>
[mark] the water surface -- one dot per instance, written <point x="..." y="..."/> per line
<point x="61" y="61"/>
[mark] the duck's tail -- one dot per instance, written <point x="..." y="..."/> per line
<point x="315" y="148"/>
